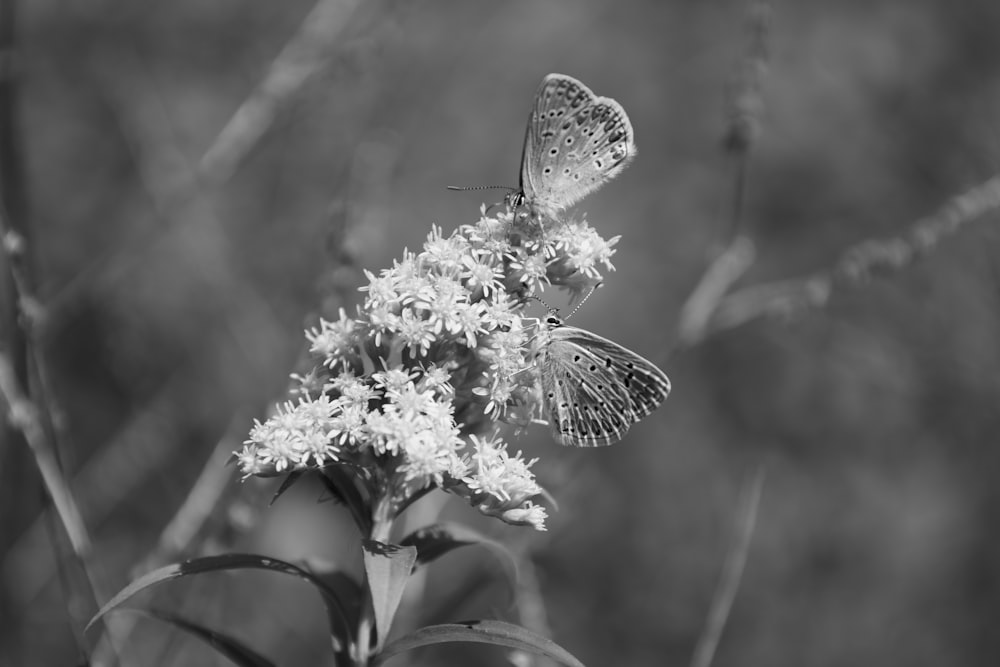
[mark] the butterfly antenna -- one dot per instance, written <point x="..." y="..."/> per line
<point x="466" y="188"/>
<point x="552" y="311"/>
<point x="583" y="301"/>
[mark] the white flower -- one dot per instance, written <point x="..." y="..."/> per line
<point x="528" y="514"/>
<point x="381" y="289"/>
<point x="481" y="274"/>
<point x="416" y="332"/>
<point x="295" y="435"/>
<point x="438" y="378"/>
<point x="496" y="473"/>
<point x="531" y="271"/>
<point x="333" y="339"/>
<point x="440" y="334"/>
<point x="582" y="249"/>
<point x="445" y="254"/>
<point x="393" y="380"/>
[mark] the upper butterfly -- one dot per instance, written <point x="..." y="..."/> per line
<point x="575" y="143"/>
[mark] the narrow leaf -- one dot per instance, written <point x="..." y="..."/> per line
<point x="339" y="626"/>
<point x="388" y="567"/>
<point x="498" y="633"/>
<point x="434" y="541"/>
<point x="415" y="496"/>
<point x="348" y="591"/>
<point x="286" y="484"/>
<point x="234" y="649"/>
<point x="341" y="486"/>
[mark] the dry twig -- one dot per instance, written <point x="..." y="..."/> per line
<point x="746" y="105"/>
<point x="732" y="572"/>
<point x="303" y="56"/>
<point x="858" y="264"/>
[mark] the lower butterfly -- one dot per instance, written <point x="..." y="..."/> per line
<point x="593" y="389"/>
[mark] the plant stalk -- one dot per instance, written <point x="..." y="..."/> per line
<point x="382" y="518"/>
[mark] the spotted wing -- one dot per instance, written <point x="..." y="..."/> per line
<point x="606" y="389"/>
<point x="575" y="143"/>
<point x="584" y="408"/>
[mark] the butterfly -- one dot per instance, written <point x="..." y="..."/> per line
<point x="575" y="143"/>
<point x="593" y="389"/>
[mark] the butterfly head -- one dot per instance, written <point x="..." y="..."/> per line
<point x="515" y="198"/>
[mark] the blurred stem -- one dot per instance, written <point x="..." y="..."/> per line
<point x="732" y="571"/>
<point x="741" y="168"/>
<point x="22" y="371"/>
<point x="859" y="263"/>
<point x="11" y="162"/>
<point x="13" y="456"/>
<point x="303" y="57"/>
<point x="382" y="518"/>
<point x="746" y="104"/>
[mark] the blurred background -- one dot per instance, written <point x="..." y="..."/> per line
<point x="204" y="178"/>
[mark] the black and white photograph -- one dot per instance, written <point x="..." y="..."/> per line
<point x="532" y="333"/>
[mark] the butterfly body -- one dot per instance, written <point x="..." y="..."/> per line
<point x="593" y="389"/>
<point x="575" y="143"/>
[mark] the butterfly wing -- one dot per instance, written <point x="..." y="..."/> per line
<point x="583" y="410"/>
<point x="595" y="389"/>
<point x="575" y="143"/>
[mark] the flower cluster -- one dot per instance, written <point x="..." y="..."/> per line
<point x="407" y="392"/>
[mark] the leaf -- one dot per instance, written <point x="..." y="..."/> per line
<point x="234" y="649"/>
<point x="348" y="592"/>
<point x="340" y="627"/>
<point x="498" y="633"/>
<point x="388" y="567"/>
<point x="415" y="496"/>
<point x="434" y="541"/>
<point x="341" y="486"/>
<point x="286" y="484"/>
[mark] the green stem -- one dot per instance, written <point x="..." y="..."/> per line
<point x="382" y="518"/>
